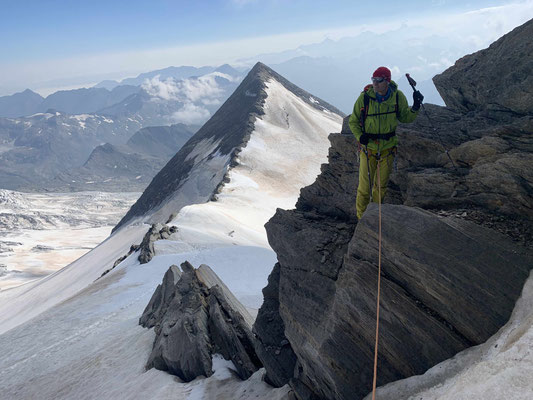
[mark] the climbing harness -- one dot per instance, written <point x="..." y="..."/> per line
<point x="412" y="82"/>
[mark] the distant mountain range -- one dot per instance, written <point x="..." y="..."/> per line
<point x="102" y="97"/>
<point x="59" y="150"/>
<point x="124" y="168"/>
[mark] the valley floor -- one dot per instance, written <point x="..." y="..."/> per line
<point x="41" y="233"/>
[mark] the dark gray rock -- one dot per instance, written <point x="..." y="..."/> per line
<point x="133" y="249"/>
<point x="163" y="295"/>
<point x="182" y="346"/>
<point x="231" y="335"/>
<point x="272" y="346"/>
<point x="156" y="232"/>
<point x="194" y="318"/>
<point x="497" y="79"/>
<point x="447" y="283"/>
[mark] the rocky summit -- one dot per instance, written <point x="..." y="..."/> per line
<point x="456" y="241"/>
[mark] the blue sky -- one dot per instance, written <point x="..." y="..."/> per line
<point x="53" y="28"/>
<point x="51" y="40"/>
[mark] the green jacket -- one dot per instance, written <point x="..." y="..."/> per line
<point x="386" y="119"/>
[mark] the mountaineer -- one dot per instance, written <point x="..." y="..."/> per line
<point x="373" y="122"/>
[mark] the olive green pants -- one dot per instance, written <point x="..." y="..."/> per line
<point x="363" y="189"/>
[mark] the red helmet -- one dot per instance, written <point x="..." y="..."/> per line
<point x="382" y="72"/>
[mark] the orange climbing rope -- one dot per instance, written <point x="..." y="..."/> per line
<point x="379" y="282"/>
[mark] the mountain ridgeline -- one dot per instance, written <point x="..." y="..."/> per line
<point x="197" y="172"/>
<point x="51" y="148"/>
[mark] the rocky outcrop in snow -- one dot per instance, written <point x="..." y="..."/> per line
<point x="156" y="232"/>
<point x="195" y="316"/>
<point x="447" y="283"/>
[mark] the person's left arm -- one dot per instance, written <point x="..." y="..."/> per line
<point x="405" y="113"/>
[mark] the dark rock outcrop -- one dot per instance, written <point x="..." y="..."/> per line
<point x="194" y="316"/>
<point x="272" y="346"/>
<point x="164" y="293"/>
<point x="133" y="249"/>
<point x="498" y="78"/>
<point x="447" y="283"/>
<point x="156" y="232"/>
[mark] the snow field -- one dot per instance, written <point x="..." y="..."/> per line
<point x="41" y="233"/>
<point x="88" y="334"/>
<point x="91" y="346"/>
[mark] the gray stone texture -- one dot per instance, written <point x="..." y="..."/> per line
<point x="156" y="232"/>
<point x="457" y="243"/>
<point x="194" y="315"/>
<point x="499" y="78"/>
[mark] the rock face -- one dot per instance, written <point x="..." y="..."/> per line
<point x="272" y="346"/>
<point x="450" y="279"/>
<point x="194" y="316"/>
<point x="498" y="78"/>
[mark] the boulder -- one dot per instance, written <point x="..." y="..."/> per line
<point x="163" y="295"/>
<point x="182" y="345"/>
<point x="195" y="316"/>
<point x="496" y="79"/>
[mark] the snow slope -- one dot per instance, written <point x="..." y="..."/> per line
<point x="91" y="346"/>
<point x="85" y="330"/>
<point x="284" y="153"/>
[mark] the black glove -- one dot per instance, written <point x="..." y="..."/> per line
<point x="364" y="139"/>
<point x="417" y="100"/>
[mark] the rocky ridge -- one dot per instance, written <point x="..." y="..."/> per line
<point x="194" y="315"/>
<point x="447" y="283"/>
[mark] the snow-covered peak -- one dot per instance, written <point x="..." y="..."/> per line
<point x="264" y="110"/>
<point x="283" y="154"/>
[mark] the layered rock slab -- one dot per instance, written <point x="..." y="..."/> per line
<point x="446" y="286"/>
<point x="194" y="316"/>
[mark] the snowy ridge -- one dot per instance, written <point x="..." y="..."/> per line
<point x="230" y="128"/>
<point x="283" y="154"/>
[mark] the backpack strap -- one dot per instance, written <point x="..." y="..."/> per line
<point x="396" y="108"/>
<point x="364" y="110"/>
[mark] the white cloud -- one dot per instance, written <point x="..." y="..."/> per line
<point x="191" y="114"/>
<point x="166" y="90"/>
<point x="204" y="88"/>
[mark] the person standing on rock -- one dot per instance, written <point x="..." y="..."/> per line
<point x="373" y="122"/>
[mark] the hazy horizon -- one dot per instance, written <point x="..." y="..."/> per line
<point x="56" y="47"/>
